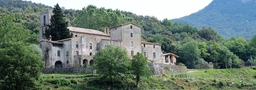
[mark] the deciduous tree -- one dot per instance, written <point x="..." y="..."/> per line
<point x="139" y="66"/>
<point x="112" y="63"/>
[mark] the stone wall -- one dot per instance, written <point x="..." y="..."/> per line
<point x="65" y="70"/>
<point x="158" y="68"/>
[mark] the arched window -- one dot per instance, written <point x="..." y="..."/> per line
<point x="131" y="34"/>
<point x="131" y="27"/>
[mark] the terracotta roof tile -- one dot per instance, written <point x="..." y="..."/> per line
<point x="87" y="31"/>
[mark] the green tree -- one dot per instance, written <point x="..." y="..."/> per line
<point x="190" y="54"/>
<point x="240" y="47"/>
<point x="139" y="66"/>
<point x="20" y="65"/>
<point x="112" y="63"/>
<point x="58" y="27"/>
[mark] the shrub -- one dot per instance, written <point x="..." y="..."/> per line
<point x="62" y="82"/>
<point x="73" y="81"/>
<point x="207" y="87"/>
<point x="222" y="83"/>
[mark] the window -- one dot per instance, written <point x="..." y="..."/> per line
<point x="67" y="61"/>
<point x="131" y="43"/>
<point x="154" y="55"/>
<point x="77" y="53"/>
<point x="145" y="53"/>
<point x="75" y="35"/>
<point x="154" y="46"/>
<point x="131" y="27"/>
<point x="166" y="59"/>
<point x="58" y="53"/>
<point x="67" y="53"/>
<point x="132" y="53"/>
<point x="131" y="34"/>
<point x="90" y="53"/>
<point x="77" y="45"/>
<point x="90" y="45"/>
<point x="44" y="20"/>
<point x="144" y="45"/>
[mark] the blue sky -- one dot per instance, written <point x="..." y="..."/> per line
<point x="161" y="9"/>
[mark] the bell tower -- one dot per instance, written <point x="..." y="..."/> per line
<point x="45" y="18"/>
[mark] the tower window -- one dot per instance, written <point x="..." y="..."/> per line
<point x="131" y="43"/>
<point x="132" y="53"/>
<point x="131" y="34"/>
<point x="58" y="53"/>
<point x="131" y="27"/>
<point x="67" y="53"/>
<point x="90" y="53"/>
<point x="44" y="20"/>
<point x="144" y="45"/>
<point x="154" y="46"/>
<point x="77" y="45"/>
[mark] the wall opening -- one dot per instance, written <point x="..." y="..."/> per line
<point x="58" y="64"/>
<point x="91" y="62"/>
<point x="85" y="62"/>
<point x="132" y="53"/>
<point x="154" y="55"/>
<point x="166" y="59"/>
<point x="58" y="53"/>
<point x="44" y="20"/>
<point x="90" y="45"/>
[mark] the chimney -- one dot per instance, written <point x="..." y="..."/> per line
<point x="50" y="38"/>
<point x="106" y="30"/>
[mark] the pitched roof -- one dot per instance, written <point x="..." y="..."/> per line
<point x="170" y="54"/>
<point x="87" y="31"/>
<point x="126" y="24"/>
<point x="145" y="42"/>
<point x="55" y="42"/>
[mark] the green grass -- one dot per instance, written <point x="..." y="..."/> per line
<point x="211" y="79"/>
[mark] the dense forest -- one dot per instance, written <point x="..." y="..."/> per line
<point x="234" y="18"/>
<point x="196" y="47"/>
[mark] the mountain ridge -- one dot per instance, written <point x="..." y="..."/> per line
<point x="230" y="18"/>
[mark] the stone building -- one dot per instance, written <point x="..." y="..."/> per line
<point x="79" y="50"/>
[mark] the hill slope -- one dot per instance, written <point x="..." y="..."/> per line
<point x="231" y="18"/>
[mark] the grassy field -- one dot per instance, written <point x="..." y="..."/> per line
<point x="211" y="79"/>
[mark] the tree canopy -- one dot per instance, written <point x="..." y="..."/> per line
<point x="20" y="65"/>
<point x="112" y="63"/>
<point x="139" y="66"/>
<point x="58" y="27"/>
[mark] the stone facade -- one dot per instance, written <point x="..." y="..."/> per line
<point x="79" y="50"/>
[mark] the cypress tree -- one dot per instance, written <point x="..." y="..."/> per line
<point x="58" y="27"/>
